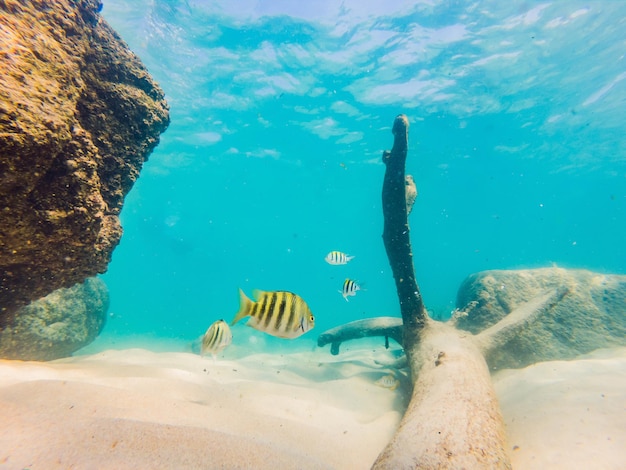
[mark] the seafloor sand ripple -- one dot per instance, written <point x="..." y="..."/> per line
<point x="141" y="409"/>
<point x="135" y="409"/>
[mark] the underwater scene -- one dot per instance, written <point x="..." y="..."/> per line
<point x="279" y="116"/>
<point x="362" y="234"/>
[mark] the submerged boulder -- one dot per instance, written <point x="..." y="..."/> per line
<point x="592" y="315"/>
<point x="57" y="325"/>
<point x="79" y="115"/>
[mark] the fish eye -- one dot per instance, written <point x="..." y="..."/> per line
<point x="311" y="318"/>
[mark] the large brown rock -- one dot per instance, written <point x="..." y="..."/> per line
<point x="79" y="115"/>
<point x="58" y="324"/>
<point x="592" y="314"/>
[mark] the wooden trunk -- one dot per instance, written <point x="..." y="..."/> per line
<point x="453" y="420"/>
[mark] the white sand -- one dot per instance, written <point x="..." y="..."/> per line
<point x="135" y="408"/>
<point x="567" y="414"/>
<point x="140" y="409"/>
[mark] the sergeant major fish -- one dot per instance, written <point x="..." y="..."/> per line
<point x="337" y="258"/>
<point x="216" y="339"/>
<point x="388" y="381"/>
<point x="350" y="288"/>
<point x="278" y="313"/>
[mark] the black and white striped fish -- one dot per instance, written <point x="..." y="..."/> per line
<point x="337" y="257"/>
<point x="278" y="313"/>
<point x="388" y="381"/>
<point x="350" y="288"/>
<point x="216" y="338"/>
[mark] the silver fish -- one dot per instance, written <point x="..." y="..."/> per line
<point x="337" y="258"/>
<point x="350" y="288"/>
<point x="282" y="314"/>
<point x="216" y="338"/>
<point x="388" y="381"/>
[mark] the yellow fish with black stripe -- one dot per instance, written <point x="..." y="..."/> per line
<point x="216" y="339"/>
<point x="279" y="313"/>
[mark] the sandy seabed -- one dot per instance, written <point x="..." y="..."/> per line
<point x="141" y="409"/>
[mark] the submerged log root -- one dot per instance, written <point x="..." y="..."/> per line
<point x="487" y="340"/>
<point x="453" y="419"/>
<point x="389" y="327"/>
<point x="499" y="334"/>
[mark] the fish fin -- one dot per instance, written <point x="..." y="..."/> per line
<point x="344" y="296"/>
<point x="348" y="258"/>
<point x="244" y="304"/>
<point x="257" y="294"/>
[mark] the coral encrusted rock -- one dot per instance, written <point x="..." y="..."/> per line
<point x="591" y="315"/>
<point x="79" y="115"/>
<point x="57" y="325"/>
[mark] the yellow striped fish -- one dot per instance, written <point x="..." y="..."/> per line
<point x="278" y="313"/>
<point x="216" y="338"/>
<point x="337" y="257"/>
<point x="388" y="381"/>
<point x="350" y="288"/>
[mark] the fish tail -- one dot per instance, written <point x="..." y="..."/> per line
<point x="244" y="307"/>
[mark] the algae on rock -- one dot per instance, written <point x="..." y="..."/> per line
<point x="57" y="325"/>
<point x="591" y="316"/>
<point x="79" y="115"/>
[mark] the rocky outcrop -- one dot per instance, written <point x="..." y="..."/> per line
<point x="592" y="315"/>
<point x="79" y="115"/>
<point x="58" y="324"/>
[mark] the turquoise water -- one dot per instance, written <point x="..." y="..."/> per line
<point x="281" y="110"/>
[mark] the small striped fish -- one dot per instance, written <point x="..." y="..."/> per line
<point x="278" y="313"/>
<point x="216" y="338"/>
<point x="337" y="257"/>
<point x="388" y="381"/>
<point x="350" y="288"/>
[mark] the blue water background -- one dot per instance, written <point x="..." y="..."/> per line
<point x="281" y="110"/>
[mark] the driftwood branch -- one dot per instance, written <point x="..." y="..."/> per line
<point x="453" y="419"/>
<point x="389" y="327"/>
<point x="396" y="233"/>
<point x="502" y="332"/>
<point x="487" y="341"/>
